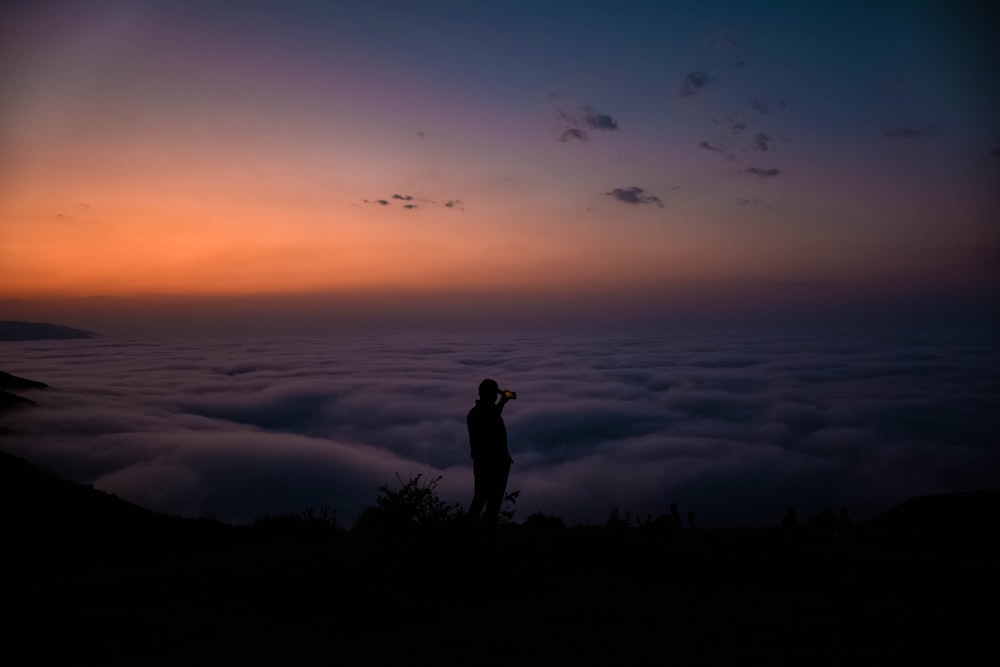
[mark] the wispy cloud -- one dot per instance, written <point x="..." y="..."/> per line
<point x="763" y="173"/>
<point x="574" y="125"/>
<point x="634" y="195"/>
<point x="762" y="142"/>
<point x="573" y="133"/>
<point x="721" y="39"/>
<point x="694" y="82"/>
<point x="759" y="106"/>
<point x="707" y="146"/>
<point x="600" y="121"/>
<point x="398" y="198"/>
<point x="912" y="132"/>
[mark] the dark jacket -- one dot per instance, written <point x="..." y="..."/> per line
<point x="487" y="433"/>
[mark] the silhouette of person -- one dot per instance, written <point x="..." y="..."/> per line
<point x="490" y="458"/>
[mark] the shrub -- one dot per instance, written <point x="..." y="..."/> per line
<point x="414" y="505"/>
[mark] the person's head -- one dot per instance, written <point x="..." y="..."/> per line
<point x="488" y="390"/>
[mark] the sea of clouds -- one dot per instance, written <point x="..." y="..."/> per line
<point x="734" y="427"/>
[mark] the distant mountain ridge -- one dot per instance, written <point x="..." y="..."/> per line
<point x="9" y="400"/>
<point x="14" y="330"/>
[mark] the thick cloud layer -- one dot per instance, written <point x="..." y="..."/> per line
<point x="734" y="427"/>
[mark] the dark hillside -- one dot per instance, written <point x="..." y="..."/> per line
<point x="101" y="581"/>
<point x="43" y="518"/>
<point x="964" y="522"/>
<point x="8" y="381"/>
<point x="13" y="330"/>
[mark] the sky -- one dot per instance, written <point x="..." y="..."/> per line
<point x="313" y="165"/>
<point x="732" y="426"/>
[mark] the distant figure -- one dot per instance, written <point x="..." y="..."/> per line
<point x="490" y="458"/>
<point x="691" y="524"/>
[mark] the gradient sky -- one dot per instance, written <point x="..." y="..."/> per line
<point x="534" y="158"/>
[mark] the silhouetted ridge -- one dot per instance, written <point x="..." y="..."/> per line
<point x="9" y="400"/>
<point x="44" y="519"/>
<point x="944" y="521"/>
<point x="13" y="330"/>
<point x="32" y="497"/>
<point x="8" y="381"/>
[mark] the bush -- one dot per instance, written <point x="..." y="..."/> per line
<point x="414" y="505"/>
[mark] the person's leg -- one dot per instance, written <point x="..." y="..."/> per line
<point x="498" y="475"/>
<point x="480" y="490"/>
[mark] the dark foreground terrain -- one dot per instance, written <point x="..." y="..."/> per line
<point x="90" y="579"/>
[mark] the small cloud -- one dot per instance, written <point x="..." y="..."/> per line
<point x="722" y="39"/>
<point x="762" y="142"/>
<point x="573" y="133"/>
<point x="422" y="134"/>
<point x="694" y="82"/>
<point x="634" y="195"/>
<point x="600" y="121"/>
<point x="753" y="202"/>
<point x="454" y="203"/>
<point x="740" y="64"/>
<point x="738" y="128"/>
<point x="403" y="197"/>
<point x="708" y="146"/>
<point x="759" y="106"/>
<point x="912" y="132"/>
<point x="763" y="173"/>
<point x="574" y="125"/>
<point x="382" y="201"/>
<point x="409" y="206"/>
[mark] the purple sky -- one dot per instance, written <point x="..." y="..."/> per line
<point x="319" y="163"/>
